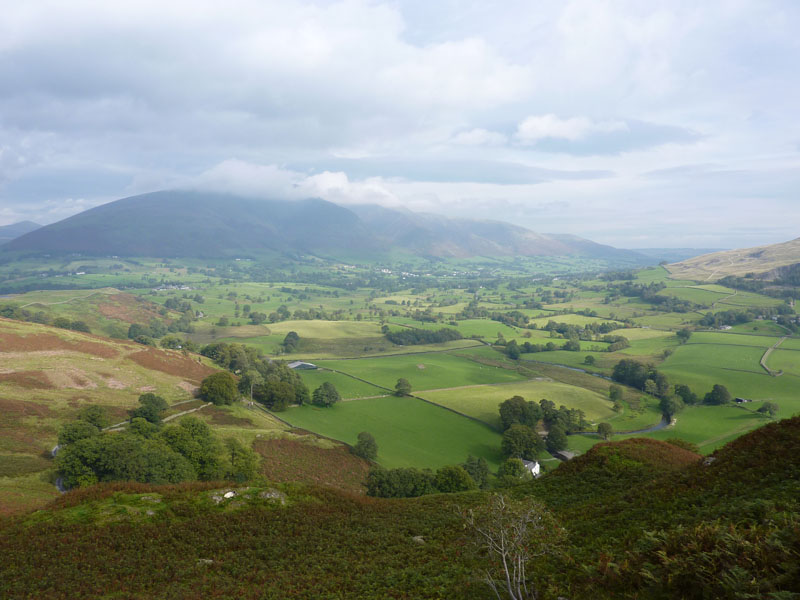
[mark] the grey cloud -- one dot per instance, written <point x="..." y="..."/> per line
<point x="638" y="135"/>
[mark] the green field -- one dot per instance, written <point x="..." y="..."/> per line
<point x="482" y="401"/>
<point x="409" y="432"/>
<point x="710" y="426"/>
<point x="423" y="371"/>
<point x="347" y="386"/>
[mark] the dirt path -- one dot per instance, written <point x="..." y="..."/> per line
<point x="67" y="300"/>
<point x="766" y="356"/>
<point x="713" y="304"/>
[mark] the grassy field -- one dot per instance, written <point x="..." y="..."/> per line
<point x="423" y="371"/>
<point x="347" y="386"/>
<point x="482" y="401"/>
<point x="409" y="432"/>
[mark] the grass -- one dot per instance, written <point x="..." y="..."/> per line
<point x="710" y="426"/>
<point x="347" y="386"/>
<point x="482" y="401"/>
<point x="423" y="371"/>
<point x="409" y="432"/>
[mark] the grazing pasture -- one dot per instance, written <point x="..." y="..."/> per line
<point x="409" y="431"/>
<point x="482" y="401"/>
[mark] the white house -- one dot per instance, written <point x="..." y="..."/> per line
<point x="532" y="466"/>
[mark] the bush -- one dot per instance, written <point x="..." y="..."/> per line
<point x="366" y="447"/>
<point x="219" y="388"/>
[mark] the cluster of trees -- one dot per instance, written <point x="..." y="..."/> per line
<point x="649" y="292"/>
<point x="148" y="451"/>
<point x="642" y="377"/>
<point x="12" y="311"/>
<point x="514" y="350"/>
<point x="414" y="337"/>
<point x="783" y="313"/>
<point x="290" y="342"/>
<point x="270" y="383"/>
<point x="409" y="482"/>
<point x="520" y="419"/>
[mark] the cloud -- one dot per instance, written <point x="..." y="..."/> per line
<point x="536" y="128"/>
<point x="479" y="137"/>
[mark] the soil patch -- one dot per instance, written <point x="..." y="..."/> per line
<point x="290" y="460"/>
<point x="128" y="308"/>
<point x="221" y="416"/>
<point x="179" y="366"/>
<point x="70" y="378"/>
<point x="24" y="408"/>
<point x="38" y="342"/>
<point x="28" y="379"/>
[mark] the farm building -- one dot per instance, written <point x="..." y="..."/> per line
<point x="299" y="364"/>
<point x="532" y="466"/>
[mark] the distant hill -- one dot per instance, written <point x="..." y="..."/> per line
<point x="758" y="260"/>
<point x="673" y="255"/>
<point x="200" y="224"/>
<point x="10" y="232"/>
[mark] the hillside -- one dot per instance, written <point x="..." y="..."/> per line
<point x="15" y="230"/>
<point x="758" y="260"/>
<point x="636" y="527"/>
<point x="47" y="375"/>
<point x="199" y="224"/>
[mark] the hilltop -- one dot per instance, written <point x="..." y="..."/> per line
<point x="15" y="230"/>
<point x="761" y="260"/>
<point x="200" y="224"/>
<point x="635" y="528"/>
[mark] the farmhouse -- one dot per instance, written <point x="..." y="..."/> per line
<point x="299" y="364"/>
<point x="532" y="466"/>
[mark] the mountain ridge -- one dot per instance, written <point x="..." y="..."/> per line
<point x="203" y="224"/>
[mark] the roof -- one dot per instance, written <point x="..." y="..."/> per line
<point x="299" y="364"/>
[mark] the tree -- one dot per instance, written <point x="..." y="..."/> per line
<point x="556" y="439"/>
<point x="685" y="393"/>
<point x="516" y="410"/>
<point x="402" y="387"/>
<point x="589" y="360"/>
<point x="520" y="441"/>
<point x="605" y="430"/>
<point x="719" y="394"/>
<point x="478" y="469"/>
<point x="366" y="447"/>
<point x="453" y="478"/>
<point x="290" y="342"/>
<point x="241" y="461"/>
<point x="248" y="381"/>
<point x="219" y="388"/>
<point x="193" y="439"/>
<point x="684" y="335"/>
<point x="615" y="393"/>
<point x="96" y="415"/>
<point x="670" y="406"/>
<point x="325" y="395"/>
<point x="513" y="533"/>
<point x="512" y="350"/>
<point x="151" y="408"/>
<point x="72" y="432"/>
<point x="770" y="408"/>
<point x="512" y="467"/>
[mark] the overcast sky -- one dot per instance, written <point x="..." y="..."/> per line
<point x="671" y="124"/>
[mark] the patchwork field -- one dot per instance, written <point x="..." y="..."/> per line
<point x="482" y="401"/>
<point x="409" y="431"/>
<point x="423" y="371"/>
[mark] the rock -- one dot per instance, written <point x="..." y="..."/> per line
<point x="273" y="494"/>
<point x="230" y="494"/>
<point x="204" y="561"/>
<point x="708" y="460"/>
<point x="418" y="539"/>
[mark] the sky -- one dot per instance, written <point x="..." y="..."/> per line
<point x="638" y="124"/>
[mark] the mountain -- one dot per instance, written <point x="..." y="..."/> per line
<point x="758" y="260"/>
<point x="673" y="255"/>
<point x="201" y="224"/>
<point x="9" y="232"/>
